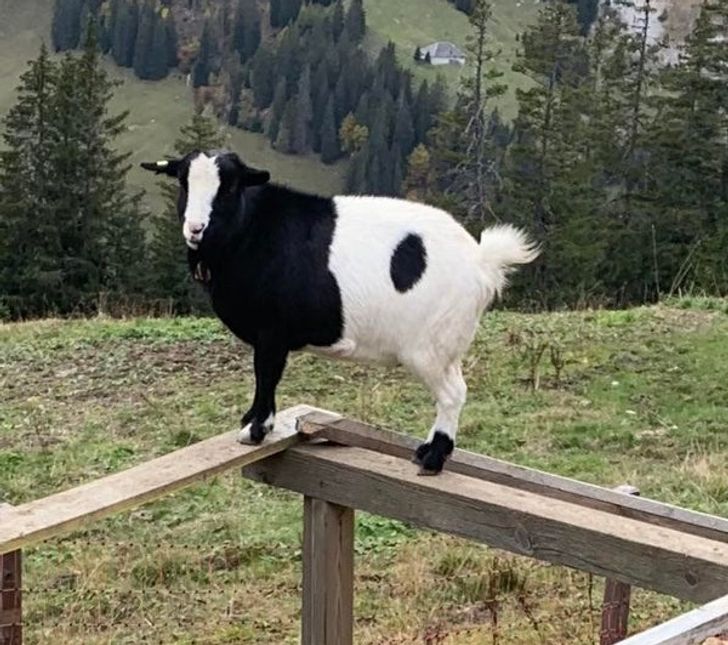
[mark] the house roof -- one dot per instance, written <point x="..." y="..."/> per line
<point x="443" y="50"/>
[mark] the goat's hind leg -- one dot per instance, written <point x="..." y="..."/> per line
<point x="449" y="389"/>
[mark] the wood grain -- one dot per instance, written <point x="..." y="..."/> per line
<point x="27" y="524"/>
<point x="635" y="552"/>
<point x="353" y="433"/>
<point x="688" y="629"/>
<point x="328" y="574"/>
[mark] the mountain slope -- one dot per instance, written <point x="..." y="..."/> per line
<point x="156" y="109"/>
<point x="413" y="23"/>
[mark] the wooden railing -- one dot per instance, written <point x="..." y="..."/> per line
<point x="339" y="465"/>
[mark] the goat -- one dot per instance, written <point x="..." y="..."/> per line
<point x="353" y="277"/>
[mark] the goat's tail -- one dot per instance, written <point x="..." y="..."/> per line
<point x="503" y="247"/>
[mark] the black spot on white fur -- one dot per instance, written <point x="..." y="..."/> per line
<point x="431" y="456"/>
<point x="408" y="264"/>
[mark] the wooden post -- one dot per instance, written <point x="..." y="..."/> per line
<point x="11" y="616"/>
<point x="328" y="573"/>
<point x="617" y="595"/>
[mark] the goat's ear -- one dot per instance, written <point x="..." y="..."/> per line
<point x="253" y="177"/>
<point x="169" y="167"/>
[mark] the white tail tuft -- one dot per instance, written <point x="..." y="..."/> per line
<point x="504" y="246"/>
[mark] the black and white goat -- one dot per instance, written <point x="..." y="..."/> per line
<point x="360" y="278"/>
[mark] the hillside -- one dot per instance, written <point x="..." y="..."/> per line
<point x="157" y="109"/>
<point x="642" y="399"/>
<point x="412" y="23"/>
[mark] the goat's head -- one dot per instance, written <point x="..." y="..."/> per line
<point x="212" y="189"/>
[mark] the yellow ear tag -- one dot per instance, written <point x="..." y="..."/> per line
<point x="162" y="164"/>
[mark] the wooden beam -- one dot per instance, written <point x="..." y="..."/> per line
<point x="39" y="520"/>
<point x="688" y="629"/>
<point x="353" y="433"/>
<point x="617" y="596"/>
<point x="11" y="598"/>
<point x="684" y="566"/>
<point x="328" y="574"/>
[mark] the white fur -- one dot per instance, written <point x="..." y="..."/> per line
<point x="429" y="328"/>
<point x="203" y="183"/>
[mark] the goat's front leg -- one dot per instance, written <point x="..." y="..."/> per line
<point x="269" y="362"/>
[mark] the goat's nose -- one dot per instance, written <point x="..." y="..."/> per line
<point x="196" y="229"/>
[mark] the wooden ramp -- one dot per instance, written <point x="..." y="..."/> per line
<point x="27" y="524"/>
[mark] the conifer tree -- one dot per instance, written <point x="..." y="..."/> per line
<point x="30" y="280"/>
<point x="247" y="35"/>
<point x="263" y="77"/>
<point x="355" y="22"/>
<point x="204" y="63"/>
<point x="101" y="234"/>
<point x="66" y="26"/>
<point x="145" y="42"/>
<point x="301" y="139"/>
<point x="276" y="113"/>
<point x="284" y="142"/>
<point x="330" y="150"/>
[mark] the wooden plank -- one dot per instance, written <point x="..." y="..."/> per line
<point x="688" y="629"/>
<point x="617" y="596"/>
<point x="11" y="599"/>
<point x="39" y="520"/>
<point x="328" y="574"/>
<point x="352" y="433"/>
<point x="684" y="566"/>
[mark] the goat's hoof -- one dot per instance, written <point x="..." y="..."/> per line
<point x="432" y="455"/>
<point x="253" y="434"/>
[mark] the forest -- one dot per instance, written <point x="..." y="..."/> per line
<point x="617" y="160"/>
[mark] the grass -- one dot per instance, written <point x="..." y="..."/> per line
<point x="641" y="398"/>
<point x="156" y="109"/>
<point x="413" y="23"/>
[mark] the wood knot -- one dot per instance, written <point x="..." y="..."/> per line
<point x="691" y="578"/>
<point x="523" y="539"/>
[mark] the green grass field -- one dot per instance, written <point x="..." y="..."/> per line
<point x="412" y="23"/>
<point x="642" y="398"/>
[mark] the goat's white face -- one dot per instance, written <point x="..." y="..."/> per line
<point x="203" y="183"/>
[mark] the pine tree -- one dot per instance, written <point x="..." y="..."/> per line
<point x="301" y="139"/>
<point x="284" y="142"/>
<point x="404" y="132"/>
<point x="145" y="41"/>
<point x="30" y="280"/>
<point x="124" y="34"/>
<point x="203" y="66"/>
<point x="416" y="185"/>
<point x="263" y="77"/>
<point x="172" y="39"/>
<point x="355" y="22"/>
<point x="247" y="34"/>
<point x="169" y="264"/>
<point x="337" y="19"/>
<point x="66" y="26"/>
<point x="101" y="233"/>
<point x="418" y="55"/>
<point x="276" y="113"/>
<point x="330" y="150"/>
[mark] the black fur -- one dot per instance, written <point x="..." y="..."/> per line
<point x="432" y="456"/>
<point x="408" y="263"/>
<point x="265" y="256"/>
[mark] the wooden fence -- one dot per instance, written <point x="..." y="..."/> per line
<point x="339" y="465"/>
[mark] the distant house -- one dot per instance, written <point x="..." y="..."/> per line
<point x="443" y="53"/>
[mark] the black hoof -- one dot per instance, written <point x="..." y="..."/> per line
<point x="258" y="432"/>
<point x="431" y="456"/>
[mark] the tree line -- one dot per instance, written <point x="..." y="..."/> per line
<point x="617" y="160"/>
<point x="316" y="89"/>
<point x="71" y="230"/>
